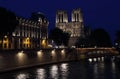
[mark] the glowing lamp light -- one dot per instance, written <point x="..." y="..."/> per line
<point x="53" y="52"/>
<point x="43" y="42"/>
<point x="63" y="51"/>
<point x="5" y="36"/>
<point x="20" y="53"/>
<point x="40" y="53"/>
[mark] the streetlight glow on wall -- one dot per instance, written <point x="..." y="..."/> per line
<point x="21" y="57"/>
<point x="39" y="53"/>
<point x="53" y="55"/>
<point x="53" y="52"/>
<point x="20" y="54"/>
<point x="63" y="53"/>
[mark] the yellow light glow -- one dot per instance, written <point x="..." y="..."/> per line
<point x="5" y="40"/>
<point x="63" y="52"/>
<point x="20" y="54"/>
<point x="26" y="42"/>
<point x="5" y="43"/>
<point x="21" y="57"/>
<point x="5" y="36"/>
<point x="28" y="38"/>
<point x="44" y="43"/>
<point x="53" y="52"/>
<point x="39" y="53"/>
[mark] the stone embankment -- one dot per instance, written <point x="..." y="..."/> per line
<point x="19" y="59"/>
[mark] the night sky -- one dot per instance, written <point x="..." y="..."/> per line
<point x="96" y="13"/>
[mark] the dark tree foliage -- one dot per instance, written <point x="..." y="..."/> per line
<point x="8" y="21"/>
<point x="65" y="38"/>
<point x="85" y="42"/>
<point x="59" y="37"/>
<point x="56" y="35"/>
<point x="101" y="37"/>
<point x="117" y="39"/>
<point x="81" y="42"/>
<point x="117" y="36"/>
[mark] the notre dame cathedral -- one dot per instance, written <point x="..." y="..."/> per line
<point x="75" y="28"/>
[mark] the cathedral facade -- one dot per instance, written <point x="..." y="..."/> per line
<point x="75" y="27"/>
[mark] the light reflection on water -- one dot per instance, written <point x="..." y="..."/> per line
<point x="41" y="73"/>
<point x="54" y="72"/>
<point x="64" y="70"/>
<point x="22" y="76"/>
<point x="71" y="70"/>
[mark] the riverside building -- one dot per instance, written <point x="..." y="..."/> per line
<point x="29" y="33"/>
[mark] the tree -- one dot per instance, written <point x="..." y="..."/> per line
<point x="101" y="37"/>
<point x="85" y="42"/>
<point x="59" y="37"/>
<point x="117" y="39"/>
<point x="56" y="35"/>
<point x="65" y="38"/>
<point x="8" y="21"/>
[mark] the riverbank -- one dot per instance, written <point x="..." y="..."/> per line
<point x="20" y="59"/>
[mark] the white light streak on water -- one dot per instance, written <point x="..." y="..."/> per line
<point x="22" y="76"/>
<point x="90" y="60"/>
<point x="64" y="70"/>
<point x="41" y="74"/>
<point x="54" y="72"/>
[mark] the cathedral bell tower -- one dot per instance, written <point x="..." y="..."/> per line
<point x="75" y="28"/>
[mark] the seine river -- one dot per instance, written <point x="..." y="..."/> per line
<point x="69" y="70"/>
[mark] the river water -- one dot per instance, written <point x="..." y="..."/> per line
<point x="68" y="70"/>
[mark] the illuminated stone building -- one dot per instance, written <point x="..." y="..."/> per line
<point x="29" y="33"/>
<point x="75" y="28"/>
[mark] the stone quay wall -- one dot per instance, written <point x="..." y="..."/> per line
<point x="18" y="59"/>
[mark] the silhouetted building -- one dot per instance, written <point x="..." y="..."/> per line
<point x="30" y="33"/>
<point x="75" y="28"/>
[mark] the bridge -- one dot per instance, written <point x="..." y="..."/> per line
<point x="96" y="53"/>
